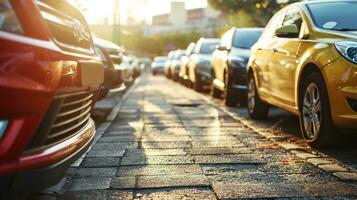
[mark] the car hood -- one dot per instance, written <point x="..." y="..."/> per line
<point x="331" y="36"/>
<point x="239" y="53"/>
<point x="106" y="44"/>
<point x="205" y="57"/>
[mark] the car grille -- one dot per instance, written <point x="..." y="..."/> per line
<point x="240" y="75"/>
<point x="67" y="115"/>
<point x="66" y="26"/>
<point x="352" y="103"/>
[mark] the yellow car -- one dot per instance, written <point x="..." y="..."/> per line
<point x="306" y="62"/>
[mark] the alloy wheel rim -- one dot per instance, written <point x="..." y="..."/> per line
<point x="251" y="95"/>
<point x="311" y="111"/>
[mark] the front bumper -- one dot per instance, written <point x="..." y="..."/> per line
<point x="239" y="79"/>
<point x="48" y="173"/>
<point x="158" y="70"/>
<point x="204" y="74"/>
<point x="341" y="82"/>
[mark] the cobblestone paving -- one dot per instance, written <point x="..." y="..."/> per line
<point x="169" y="143"/>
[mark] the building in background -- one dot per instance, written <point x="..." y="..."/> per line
<point x="203" y="20"/>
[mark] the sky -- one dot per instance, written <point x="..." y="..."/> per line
<point x="96" y="10"/>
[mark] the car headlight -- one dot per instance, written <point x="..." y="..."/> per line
<point x="8" y="18"/>
<point x="3" y="125"/>
<point x="348" y="50"/>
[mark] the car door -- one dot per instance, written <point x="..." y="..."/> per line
<point x="262" y="55"/>
<point x="285" y="60"/>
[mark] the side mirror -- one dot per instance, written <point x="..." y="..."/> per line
<point x="116" y="59"/>
<point x="222" y="48"/>
<point x="288" y="31"/>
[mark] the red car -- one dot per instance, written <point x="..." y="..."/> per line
<point x="49" y="80"/>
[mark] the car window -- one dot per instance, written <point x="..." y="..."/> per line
<point x="171" y="55"/>
<point x="334" y="15"/>
<point x="227" y="39"/>
<point x="208" y="47"/>
<point x="160" y="59"/>
<point x="293" y="17"/>
<point x="178" y="56"/>
<point x="190" y="49"/>
<point x="275" y="22"/>
<point x="245" y="39"/>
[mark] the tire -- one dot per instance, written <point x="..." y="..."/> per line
<point x="181" y="81"/>
<point x="198" y="85"/>
<point x="176" y="77"/>
<point x="215" y="92"/>
<point x="315" y="109"/>
<point x="257" y="109"/>
<point x="230" y="94"/>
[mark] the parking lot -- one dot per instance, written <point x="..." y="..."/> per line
<point x="164" y="141"/>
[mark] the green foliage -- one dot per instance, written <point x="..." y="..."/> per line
<point x="157" y="44"/>
<point x="238" y="19"/>
<point x="260" y="11"/>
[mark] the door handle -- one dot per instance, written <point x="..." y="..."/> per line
<point x="260" y="49"/>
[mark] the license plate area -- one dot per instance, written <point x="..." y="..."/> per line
<point x="92" y="73"/>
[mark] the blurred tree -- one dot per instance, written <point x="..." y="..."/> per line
<point x="235" y="19"/>
<point x="157" y="44"/>
<point x="260" y="11"/>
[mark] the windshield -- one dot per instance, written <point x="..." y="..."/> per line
<point x="208" y="47"/>
<point x="334" y="15"/>
<point x="160" y="59"/>
<point x="178" y="56"/>
<point x="245" y="39"/>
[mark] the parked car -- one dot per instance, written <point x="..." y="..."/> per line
<point x="306" y="63"/>
<point x="111" y="57"/>
<point x="183" y="75"/>
<point x="229" y="64"/>
<point x="49" y="80"/>
<point x="175" y="65"/>
<point x="158" y="65"/>
<point x="167" y="68"/>
<point x="145" y="63"/>
<point x="200" y="63"/>
<point x="136" y="65"/>
<point x="128" y="69"/>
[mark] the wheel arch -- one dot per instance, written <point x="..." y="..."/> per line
<point x="250" y="70"/>
<point x="307" y="69"/>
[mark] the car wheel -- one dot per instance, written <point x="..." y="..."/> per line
<point x="215" y="92"/>
<point x="176" y="77"/>
<point x="198" y="85"/>
<point x="257" y="109"/>
<point x="316" y="123"/>
<point x="181" y="80"/>
<point x="230" y="95"/>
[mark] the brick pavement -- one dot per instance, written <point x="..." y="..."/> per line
<point x="169" y="143"/>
